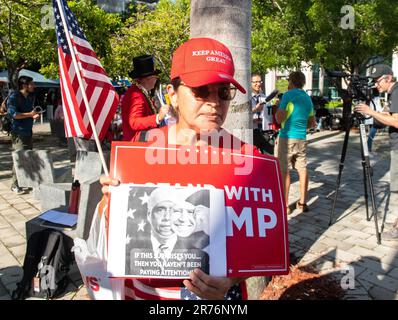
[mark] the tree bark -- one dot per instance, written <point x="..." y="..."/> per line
<point x="229" y="21"/>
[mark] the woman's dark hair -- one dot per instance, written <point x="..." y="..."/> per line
<point x="24" y="80"/>
<point x="176" y="82"/>
<point x="255" y="75"/>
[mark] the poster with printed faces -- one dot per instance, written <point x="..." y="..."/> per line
<point x="166" y="232"/>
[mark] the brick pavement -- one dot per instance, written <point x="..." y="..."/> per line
<point x="347" y="249"/>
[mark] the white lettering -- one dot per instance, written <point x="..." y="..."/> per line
<point x="255" y="191"/>
<point x="245" y="218"/>
<point x="348" y="20"/>
<point x="233" y="193"/>
<point x="267" y="195"/>
<point x="348" y="281"/>
<point x="262" y="225"/>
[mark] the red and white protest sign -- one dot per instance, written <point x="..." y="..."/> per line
<point x="257" y="234"/>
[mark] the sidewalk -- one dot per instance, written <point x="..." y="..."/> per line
<point x="347" y="249"/>
<point x="15" y="210"/>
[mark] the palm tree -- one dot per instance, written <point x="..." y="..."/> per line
<point x="229" y="21"/>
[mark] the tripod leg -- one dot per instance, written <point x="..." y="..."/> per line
<point x="341" y="167"/>
<point x="373" y="200"/>
<point x="368" y="176"/>
<point x="365" y="184"/>
<point x="364" y="156"/>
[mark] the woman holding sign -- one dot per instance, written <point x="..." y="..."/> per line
<point x="200" y="92"/>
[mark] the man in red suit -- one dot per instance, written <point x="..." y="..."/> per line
<point x="139" y="113"/>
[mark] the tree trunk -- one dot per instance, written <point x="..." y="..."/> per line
<point x="13" y="76"/>
<point x="229" y="21"/>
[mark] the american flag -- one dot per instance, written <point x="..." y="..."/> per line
<point x="101" y="95"/>
<point x="161" y="289"/>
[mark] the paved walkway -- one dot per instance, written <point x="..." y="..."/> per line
<point x="347" y="249"/>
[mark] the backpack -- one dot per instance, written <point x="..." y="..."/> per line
<point x="46" y="266"/>
<point x="6" y="119"/>
<point x="6" y="123"/>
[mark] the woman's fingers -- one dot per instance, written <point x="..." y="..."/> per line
<point x="208" y="287"/>
<point x="106" y="182"/>
<point x="203" y="291"/>
<point x="105" y="191"/>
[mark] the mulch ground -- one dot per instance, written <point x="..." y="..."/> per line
<point x="303" y="283"/>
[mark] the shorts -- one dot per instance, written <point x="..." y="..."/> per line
<point x="292" y="153"/>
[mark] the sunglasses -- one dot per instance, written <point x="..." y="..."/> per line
<point x="224" y="92"/>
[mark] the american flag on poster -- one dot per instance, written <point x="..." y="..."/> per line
<point x="101" y="95"/>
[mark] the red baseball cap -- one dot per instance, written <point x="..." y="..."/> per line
<point x="202" y="61"/>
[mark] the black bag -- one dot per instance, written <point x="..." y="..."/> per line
<point x="377" y="124"/>
<point x="6" y="123"/>
<point x="6" y="119"/>
<point x="46" y="266"/>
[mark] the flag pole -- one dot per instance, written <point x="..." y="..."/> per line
<point x="79" y="78"/>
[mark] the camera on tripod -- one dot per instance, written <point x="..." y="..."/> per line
<point x="359" y="90"/>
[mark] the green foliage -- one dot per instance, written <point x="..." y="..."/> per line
<point x="21" y="36"/>
<point x="282" y="85"/>
<point x="273" y="43"/>
<point x="99" y="26"/>
<point x="28" y="34"/>
<point x="334" y="104"/>
<point x="286" y="32"/>
<point x="158" y="32"/>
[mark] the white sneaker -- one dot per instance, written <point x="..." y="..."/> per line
<point x="17" y="190"/>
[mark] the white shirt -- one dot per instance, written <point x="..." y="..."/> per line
<point x="170" y="243"/>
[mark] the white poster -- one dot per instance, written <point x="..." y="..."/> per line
<point x="166" y="232"/>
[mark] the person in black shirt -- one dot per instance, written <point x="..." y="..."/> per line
<point x="386" y="82"/>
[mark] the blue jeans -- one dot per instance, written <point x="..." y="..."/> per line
<point x="372" y="134"/>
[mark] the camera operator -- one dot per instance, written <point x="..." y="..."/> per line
<point x="386" y="82"/>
